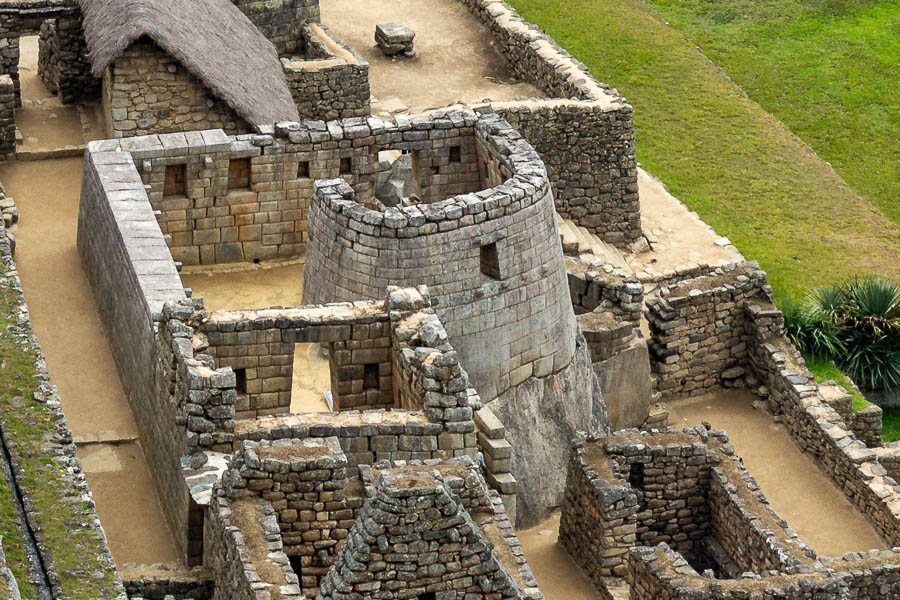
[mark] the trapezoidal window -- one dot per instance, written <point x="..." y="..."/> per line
<point x="176" y="180"/>
<point x="370" y="377"/>
<point x="346" y="166"/>
<point x="427" y="596"/>
<point x="239" y="174"/>
<point x="455" y="154"/>
<point x="490" y="261"/>
<point x="240" y="378"/>
<point x="303" y="170"/>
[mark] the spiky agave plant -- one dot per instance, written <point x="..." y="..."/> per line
<point x="869" y="331"/>
<point x="812" y="329"/>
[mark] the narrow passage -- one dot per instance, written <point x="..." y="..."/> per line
<point x="795" y="486"/>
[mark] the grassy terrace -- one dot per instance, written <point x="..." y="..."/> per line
<point x="720" y="152"/>
<point x="64" y="517"/>
<point x="826" y="68"/>
<point x="13" y="547"/>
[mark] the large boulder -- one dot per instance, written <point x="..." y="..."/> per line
<point x="542" y="416"/>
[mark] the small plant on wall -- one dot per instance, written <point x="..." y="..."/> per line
<point x="856" y="324"/>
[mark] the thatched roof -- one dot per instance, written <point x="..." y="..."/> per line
<point x="212" y="39"/>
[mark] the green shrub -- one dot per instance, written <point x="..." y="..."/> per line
<point x="855" y="324"/>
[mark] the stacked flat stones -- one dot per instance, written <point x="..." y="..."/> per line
<point x="394" y="39"/>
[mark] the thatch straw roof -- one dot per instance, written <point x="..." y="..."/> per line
<point x="212" y="39"/>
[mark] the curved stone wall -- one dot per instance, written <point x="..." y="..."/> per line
<point x="492" y="259"/>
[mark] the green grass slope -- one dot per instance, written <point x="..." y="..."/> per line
<point x="721" y="153"/>
<point x="828" y="69"/>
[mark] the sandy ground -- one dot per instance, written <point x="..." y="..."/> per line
<point x="682" y="236"/>
<point x="312" y="378"/>
<point x="454" y="59"/>
<point x="123" y="491"/>
<point x="797" y="490"/>
<point x="261" y="286"/>
<point x="44" y="121"/>
<point x="246" y="285"/>
<point x="70" y="331"/>
<point x="557" y="574"/>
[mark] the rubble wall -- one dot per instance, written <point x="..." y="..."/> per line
<point x="588" y="150"/>
<point x="281" y="21"/>
<point x="698" y="339"/>
<point x="586" y="141"/>
<point x="333" y="80"/>
<point x="661" y="574"/>
<point x="7" y="117"/>
<point x="145" y="91"/>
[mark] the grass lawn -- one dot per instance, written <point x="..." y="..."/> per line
<point x="890" y="420"/>
<point x="828" y="69"/>
<point x="823" y="370"/>
<point x="720" y="152"/>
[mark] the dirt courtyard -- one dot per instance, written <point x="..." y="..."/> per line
<point x="455" y="55"/>
<point x="797" y="490"/>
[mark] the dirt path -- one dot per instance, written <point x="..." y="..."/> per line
<point x="68" y="325"/>
<point x="797" y="490"/>
<point x="44" y="121"/>
<point x="70" y="331"/>
<point x="455" y="58"/>
<point x="557" y="574"/>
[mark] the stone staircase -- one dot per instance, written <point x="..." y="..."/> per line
<point x="578" y="241"/>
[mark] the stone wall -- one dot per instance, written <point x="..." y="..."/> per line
<point x="7" y="117"/>
<point x="588" y="149"/>
<point x="790" y="391"/>
<point x="281" y="21"/>
<point x="698" y="339"/>
<point x="245" y="553"/>
<point x="260" y="344"/>
<point x="593" y="289"/>
<point x="682" y="488"/>
<point x="168" y="583"/>
<point x="661" y="574"/>
<point x="146" y="91"/>
<point x="305" y="481"/>
<point x="26" y="17"/>
<point x="586" y="142"/>
<point x="507" y="324"/>
<point x="415" y="526"/>
<point x="332" y="82"/>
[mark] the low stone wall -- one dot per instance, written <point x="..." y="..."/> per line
<point x="259" y="345"/>
<point x="867" y="425"/>
<point x="245" y="553"/>
<point x="145" y="91"/>
<point x="698" y="340"/>
<point x="333" y="80"/>
<point x="790" y="391"/>
<point x="168" y="583"/>
<point x="7" y="117"/>
<point x="661" y="574"/>
<point x="46" y="470"/>
<point x="683" y="488"/>
<point x="305" y="482"/>
<point x="593" y="289"/>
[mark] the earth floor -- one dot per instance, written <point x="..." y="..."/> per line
<point x="68" y="325"/>
<point x="455" y="55"/>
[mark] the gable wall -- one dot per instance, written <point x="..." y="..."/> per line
<point x="146" y="91"/>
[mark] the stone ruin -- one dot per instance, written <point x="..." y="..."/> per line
<point x="469" y="273"/>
